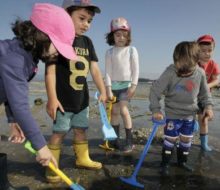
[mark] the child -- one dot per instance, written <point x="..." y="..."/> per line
<point x="182" y="84"/>
<point x="37" y="39"/>
<point x="68" y="89"/>
<point x="207" y="45"/>
<point x="122" y="71"/>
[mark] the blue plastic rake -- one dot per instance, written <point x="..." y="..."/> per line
<point x="132" y="180"/>
<point x="107" y="129"/>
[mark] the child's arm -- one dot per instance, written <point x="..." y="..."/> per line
<point x="207" y="114"/>
<point x="109" y="92"/>
<point x="50" y="81"/>
<point x="108" y="74"/>
<point x="134" y="72"/>
<point x="97" y="78"/>
<point x="205" y="98"/>
<point x="157" y="89"/>
<point x="131" y="91"/>
<point x="16" y="134"/>
<point x="9" y="113"/>
<point x="215" y="81"/>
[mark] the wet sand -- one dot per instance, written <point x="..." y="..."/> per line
<point x="24" y="170"/>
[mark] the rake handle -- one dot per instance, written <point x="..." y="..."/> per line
<point x="51" y="165"/>
<point x="109" y="107"/>
<point x="145" y="151"/>
<point x="60" y="173"/>
<point x="156" y="124"/>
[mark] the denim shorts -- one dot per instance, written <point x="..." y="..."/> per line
<point x="121" y="95"/>
<point x="68" y="120"/>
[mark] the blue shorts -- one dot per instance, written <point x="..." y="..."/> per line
<point x="177" y="127"/>
<point x="121" y="95"/>
<point x="68" y="120"/>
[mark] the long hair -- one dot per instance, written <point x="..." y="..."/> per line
<point x="186" y="57"/>
<point x="33" y="40"/>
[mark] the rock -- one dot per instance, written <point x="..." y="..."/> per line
<point x="38" y="101"/>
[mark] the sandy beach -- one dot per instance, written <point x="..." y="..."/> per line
<point x="24" y="170"/>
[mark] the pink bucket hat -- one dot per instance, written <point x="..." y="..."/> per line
<point x="57" y="24"/>
<point x="119" y="24"/>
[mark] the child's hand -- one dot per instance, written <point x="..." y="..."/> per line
<point x="158" y="116"/>
<point x="44" y="156"/>
<point x="16" y="134"/>
<point x="52" y="106"/>
<point x="109" y="94"/>
<point x="131" y="91"/>
<point x="102" y="97"/>
<point x="207" y="114"/>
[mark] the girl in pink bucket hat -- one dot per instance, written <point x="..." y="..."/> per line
<point x="50" y="30"/>
<point x="121" y="78"/>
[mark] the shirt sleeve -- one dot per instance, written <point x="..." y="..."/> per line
<point x="158" y="88"/>
<point x="134" y="65"/>
<point x="92" y="52"/>
<point x="16" y="89"/>
<point x="108" y="68"/>
<point x="9" y="113"/>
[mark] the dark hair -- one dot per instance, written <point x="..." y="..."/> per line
<point x="207" y="43"/>
<point x="186" y="57"/>
<point x="71" y="9"/>
<point x="110" y="38"/>
<point x="32" y="39"/>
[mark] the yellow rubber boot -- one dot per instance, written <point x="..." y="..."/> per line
<point x="50" y="175"/>
<point x="83" y="160"/>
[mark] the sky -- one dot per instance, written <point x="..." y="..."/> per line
<point x="157" y="26"/>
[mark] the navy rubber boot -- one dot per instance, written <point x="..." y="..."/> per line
<point x="182" y="160"/>
<point x="165" y="164"/>
<point x="116" y="143"/>
<point x="129" y="146"/>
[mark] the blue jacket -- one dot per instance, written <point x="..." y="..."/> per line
<point x="16" y="67"/>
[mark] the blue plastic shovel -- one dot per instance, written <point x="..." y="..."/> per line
<point x="107" y="129"/>
<point x="73" y="186"/>
<point x="132" y="180"/>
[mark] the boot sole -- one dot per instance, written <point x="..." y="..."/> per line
<point x="206" y="149"/>
<point x="186" y="168"/>
<point x="129" y="151"/>
<point x="57" y="180"/>
<point x="88" y="168"/>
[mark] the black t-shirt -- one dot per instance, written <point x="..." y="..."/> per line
<point x="71" y="77"/>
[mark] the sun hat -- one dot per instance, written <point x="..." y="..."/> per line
<point x="206" y="38"/>
<point x="57" y="24"/>
<point x="80" y="3"/>
<point x="119" y="23"/>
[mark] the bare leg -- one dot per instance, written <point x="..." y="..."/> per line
<point x="203" y="123"/>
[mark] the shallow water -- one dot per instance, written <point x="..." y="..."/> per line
<point x="205" y="164"/>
